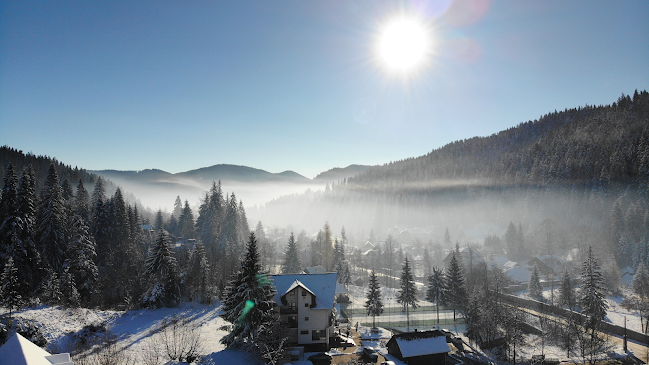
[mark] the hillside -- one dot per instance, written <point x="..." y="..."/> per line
<point x="581" y="172"/>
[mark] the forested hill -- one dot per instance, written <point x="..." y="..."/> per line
<point x="569" y="178"/>
<point x="41" y="164"/>
<point x="592" y="145"/>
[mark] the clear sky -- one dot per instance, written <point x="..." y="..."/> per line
<point x="297" y="85"/>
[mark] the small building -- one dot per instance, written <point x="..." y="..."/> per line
<point x="20" y="351"/>
<point x="306" y="305"/>
<point x="420" y="347"/>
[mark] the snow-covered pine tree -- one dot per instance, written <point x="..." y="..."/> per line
<point x="435" y="292"/>
<point x="178" y="207"/>
<point x="81" y="254"/>
<point x="161" y="268"/>
<point x="9" y="215"/>
<point x="82" y="202"/>
<point x="454" y="287"/>
<point x="566" y="290"/>
<point x="51" y="222"/>
<point x="69" y="293"/>
<point x="291" y="257"/>
<point x="374" y="304"/>
<point x="26" y="257"/>
<point x="641" y="281"/>
<point x="186" y="222"/>
<point x="536" y="290"/>
<point x="407" y="295"/>
<point x="199" y="272"/>
<point x="10" y="287"/>
<point x="249" y="298"/>
<point x="593" y="289"/>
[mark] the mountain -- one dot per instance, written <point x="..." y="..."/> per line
<point x="338" y="174"/>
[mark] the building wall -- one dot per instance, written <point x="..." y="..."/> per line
<point x="318" y="319"/>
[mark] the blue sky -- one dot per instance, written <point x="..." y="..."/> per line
<point x="296" y="85"/>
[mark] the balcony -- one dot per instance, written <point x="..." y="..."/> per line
<point x="287" y="310"/>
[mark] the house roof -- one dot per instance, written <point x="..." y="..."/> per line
<point x="20" y="351"/>
<point x="315" y="270"/>
<point x="323" y="286"/>
<point x="519" y="274"/>
<point x="421" y="343"/>
<point x="295" y="284"/>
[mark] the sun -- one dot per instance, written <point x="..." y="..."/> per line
<point x="403" y="44"/>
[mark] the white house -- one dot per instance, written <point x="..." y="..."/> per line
<point x="20" y="351"/>
<point x="306" y="303"/>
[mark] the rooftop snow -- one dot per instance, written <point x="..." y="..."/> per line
<point x="323" y="286"/>
<point x="422" y="346"/>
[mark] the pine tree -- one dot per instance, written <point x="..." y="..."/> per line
<point x="10" y="290"/>
<point x="69" y="293"/>
<point x="566" y="290"/>
<point x="536" y="290"/>
<point x="186" y="222"/>
<point x="9" y="214"/>
<point x="199" y="273"/>
<point x="435" y="292"/>
<point x="249" y="298"/>
<point x="592" y="292"/>
<point x="82" y="202"/>
<point x="26" y="256"/>
<point x="455" y="291"/>
<point x="178" y="207"/>
<point x="291" y="257"/>
<point x="407" y="295"/>
<point x="641" y="281"/>
<point x="161" y="267"/>
<point x="159" y="220"/>
<point x="51" y="222"/>
<point x="374" y="304"/>
<point x="81" y="254"/>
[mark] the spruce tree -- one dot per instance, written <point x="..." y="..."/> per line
<point x="25" y="254"/>
<point x="249" y="298"/>
<point x="81" y="254"/>
<point x="186" y="222"/>
<point x="374" y="304"/>
<point x="10" y="287"/>
<point x="435" y="292"/>
<point x="641" y="281"/>
<point x="593" y="289"/>
<point x="291" y="257"/>
<point x="407" y="295"/>
<point x="161" y="267"/>
<point x="455" y="291"/>
<point x="536" y="290"/>
<point x="51" y="222"/>
<point x="566" y="290"/>
<point x="82" y="202"/>
<point x="199" y="272"/>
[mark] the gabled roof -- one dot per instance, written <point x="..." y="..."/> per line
<point x="323" y="286"/>
<point x="295" y="284"/>
<point x="20" y="351"/>
<point x="413" y="344"/>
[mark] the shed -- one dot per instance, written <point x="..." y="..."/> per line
<point x="420" y="347"/>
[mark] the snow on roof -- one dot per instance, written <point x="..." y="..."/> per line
<point x="509" y="264"/>
<point x="519" y="274"/>
<point x="20" y="351"/>
<point x="323" y="286"/>
<point x="422" y="346"/>
<point x="315" y="270"/>
<point x="295" y="284"/>
<point x="340" y="289"/>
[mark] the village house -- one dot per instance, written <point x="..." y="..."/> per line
<point x="306" y="304"/>
<point x="420" y="347"/>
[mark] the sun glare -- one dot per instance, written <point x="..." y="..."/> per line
<point x="403" y="44"/>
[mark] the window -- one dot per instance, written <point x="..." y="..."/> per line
<point x="292" y="293"/>
<point x="317" y="335"/>
<point x="292" y="305"/>
<point x="304" y="332"/>
<point x="306" y="304"/>
<point x="306" y="318"/>
<point x="303" y="292"/>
